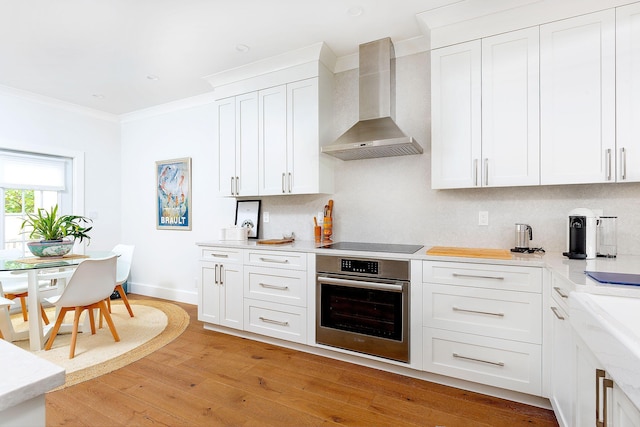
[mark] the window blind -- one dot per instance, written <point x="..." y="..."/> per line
<point x="32" y="171"/>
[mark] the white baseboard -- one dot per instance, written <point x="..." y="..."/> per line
<point x="188" y="297"/>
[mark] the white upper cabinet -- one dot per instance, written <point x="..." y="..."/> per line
<point x="290" y="118"/>
<point x="485" y="112"/>
<point x="273" y="140"/>
<point x="510" y="109"/>
<point x="628" y="93"/>
<point x="455" y="115"/>
<point x="237" y="145"/>
<point x="577" y="99"/>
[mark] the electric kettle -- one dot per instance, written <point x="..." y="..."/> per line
<point x="524" y="233"/>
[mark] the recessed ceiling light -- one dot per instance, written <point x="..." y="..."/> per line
<point x="153" y="77"/>
<point x="242" y="48"/>
<point x="98" y="96"/>
<point x="355" y="11"/>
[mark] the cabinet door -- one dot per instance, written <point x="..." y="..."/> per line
<point x="577" y="99"/>
<point x="246" y="156"/>
<point x="209" y="293"/>
<point x="225" y="125"/>
<point x="510" y="109"/>
<point x="455" y="115"/>
<point x="302" y="137"/>
<point x="231" y="296"/>
<point x="561" y="366"/>
<point x="624" y="412"/>
<point x="273" y="140"/>
<point x="628" y="92"/>
<point x="586" y="386"/>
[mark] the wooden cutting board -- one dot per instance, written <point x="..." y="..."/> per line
<point x="275" y="241"/>
<point x="470" y="252"/>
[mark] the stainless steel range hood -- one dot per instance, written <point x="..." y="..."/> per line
<point x="376" y="133"/>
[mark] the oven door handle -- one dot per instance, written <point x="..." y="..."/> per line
<point x="360" y="284"/>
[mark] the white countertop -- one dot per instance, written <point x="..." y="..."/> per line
<point x="25" y="376"/>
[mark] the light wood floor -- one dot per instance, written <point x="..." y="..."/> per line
<point x="208" y="378"/>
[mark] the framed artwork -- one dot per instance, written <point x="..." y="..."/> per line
<point x="248" y="215"/>
<point x="173" y="199"/>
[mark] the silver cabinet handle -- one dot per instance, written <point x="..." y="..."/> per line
<point x="486" y="171"/>
<point x="290" y="184"/>
<point x="608" y="164"/>
<point x="232" y="186"/>
<point x="623" y="162"/>
<point x="600" y="374"/>
<point x="215" y="276"/>
<point x="457" y="356"/>
<point x="475" y="172"/>
<point x="477" y="276"/>
<point x="221" y="274"/>
<point x="606" y="383"/>
<point x="466" y="310"/>
<point x="237" y="185"/>
<point x="560" y="292"/>
<point x="268" y="286"/>
<point x="283" y="190"/>
<point x="274" y="322"/>
<point x="278" y="261"/>
<point x="219" y="255"/>
<point x="557" y="313"/>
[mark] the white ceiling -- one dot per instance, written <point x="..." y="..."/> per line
<point x="99" y="53"/>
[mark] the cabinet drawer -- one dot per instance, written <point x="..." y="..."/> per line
<point x="290" y="260"/>
<point x="515" y="278"/>
<point x="276" y="320"/>
<point x="276" y="285"/>
<point x="222" y="255"/>
<point x="489" y="312"/>
<point x="507" y="364"/>
<point x="560" y="289"/>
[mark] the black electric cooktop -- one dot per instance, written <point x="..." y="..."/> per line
<point x="373" y="247"/>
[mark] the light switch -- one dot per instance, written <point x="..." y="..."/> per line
<point x="265" y="217"/>
<point x="483" y="218"/>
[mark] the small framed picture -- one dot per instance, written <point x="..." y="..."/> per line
<point x="173" y="197"/>
<point x="248" y="215"/>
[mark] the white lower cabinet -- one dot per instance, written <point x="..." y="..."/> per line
<point x="562" y="393"/>
<point x="220" y="288"/>
<point x="483" y="323"/>
<point x="599" y="401"/>
<point x="276" y="320"/>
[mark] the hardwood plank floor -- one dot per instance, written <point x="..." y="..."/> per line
<point x="208" y="378"/>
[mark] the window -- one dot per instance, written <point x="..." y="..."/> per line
<point x="30" y="181"/>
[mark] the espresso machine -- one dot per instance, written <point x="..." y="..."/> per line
<point x="581" y="234"/>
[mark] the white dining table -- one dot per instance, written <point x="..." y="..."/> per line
<point x="34" y="268"/>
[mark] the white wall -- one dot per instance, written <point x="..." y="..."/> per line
<point x="34" y="123"/>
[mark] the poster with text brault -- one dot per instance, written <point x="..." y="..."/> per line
<point x="173" y="181"/>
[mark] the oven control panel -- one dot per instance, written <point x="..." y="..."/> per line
<point x="359" y="266"/>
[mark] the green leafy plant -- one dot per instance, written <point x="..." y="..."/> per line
<point x="47" y="225"/>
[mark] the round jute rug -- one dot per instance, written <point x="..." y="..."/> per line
<point x="155" y="324"/>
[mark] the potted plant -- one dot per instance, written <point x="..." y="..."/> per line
<point x="51" y="231"/>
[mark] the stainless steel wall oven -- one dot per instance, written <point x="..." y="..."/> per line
<point x="363" y="305"/>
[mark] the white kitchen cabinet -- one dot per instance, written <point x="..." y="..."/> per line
<point x="623" y="411"/>
<point x="221" y="288"/>
<point x="577" y="99"/>
<point x="290" y="117"/>
<point x="562" y="354"/>
<point x="456" y="115"/>
<point x="628" y="93"/>
<point x="483" y="323"/>
<point x="236" y="124"/>
<point x="510" y="109"/>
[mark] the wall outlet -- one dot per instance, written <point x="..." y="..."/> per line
<point x="320" y="217"/>
<point x="483" y="218"/>
<point x="265" y="217"/>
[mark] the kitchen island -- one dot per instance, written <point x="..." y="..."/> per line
<point x="25" y="380"/>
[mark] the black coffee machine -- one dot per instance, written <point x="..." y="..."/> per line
<point x="581" y="234"/>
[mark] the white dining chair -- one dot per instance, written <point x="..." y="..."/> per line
<point x="5" y="321"/>
<point x="125" y="256"/>
<point x="89" y="286"/>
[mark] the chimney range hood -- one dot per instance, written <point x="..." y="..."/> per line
<point x="376" y="133"/>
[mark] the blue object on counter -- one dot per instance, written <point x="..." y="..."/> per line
<point x="615" y="278"/>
